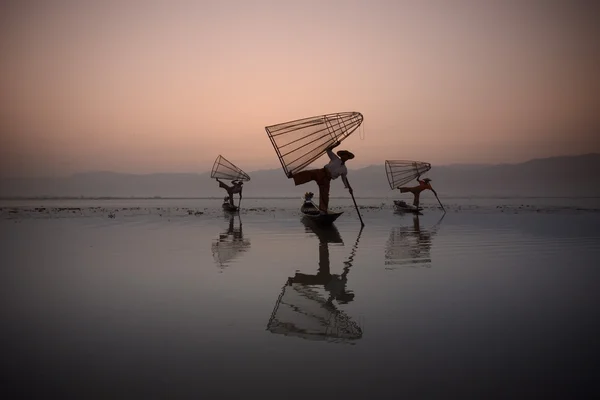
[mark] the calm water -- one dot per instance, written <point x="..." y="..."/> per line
<point x="158" y="303"/>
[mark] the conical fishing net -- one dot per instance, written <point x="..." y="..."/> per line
<point x="224" y="169"/>
<point x="400" y="172"/>
<point x="298" y="143"/>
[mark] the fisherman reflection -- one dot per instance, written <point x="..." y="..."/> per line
<point x="335" y="285"/>
<point x="409" y="246"/>
<point x="230" y="244"/>
<point x="303" y="311"/>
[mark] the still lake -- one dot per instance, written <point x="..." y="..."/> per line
<point x="176" y="299"/>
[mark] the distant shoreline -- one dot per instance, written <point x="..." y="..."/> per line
<point x="272" y="197"/>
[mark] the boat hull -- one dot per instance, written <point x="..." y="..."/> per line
<point x="311" y="213"/>
<point x="229" y="207"/>
<point x="402" y="207"/>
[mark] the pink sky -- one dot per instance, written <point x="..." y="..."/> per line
<point x="149" y="86"/>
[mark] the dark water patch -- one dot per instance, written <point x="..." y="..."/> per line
<point x="470" y="304"/>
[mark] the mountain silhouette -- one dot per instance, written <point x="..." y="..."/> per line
<point x="569" y="176"/>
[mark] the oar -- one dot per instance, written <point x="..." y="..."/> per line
<point x="355" y="206"/>
<point x="438" y="199"/>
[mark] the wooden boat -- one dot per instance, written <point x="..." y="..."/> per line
<point x="228" y="207"/>
<point x="401" y="206"/>
<point x="310" y="211"/>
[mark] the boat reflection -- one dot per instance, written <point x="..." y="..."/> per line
<point x="306" y="307"/>
<point x="410" y="246"/>
<point x="230" y="243"/>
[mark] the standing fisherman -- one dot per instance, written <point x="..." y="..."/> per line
<point x="236" y="187"/>
<point x="416" y="190"/>
<point x="323" y="176"/>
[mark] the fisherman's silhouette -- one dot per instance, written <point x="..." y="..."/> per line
<point x="236" y="187"/>
<point x="230" y="243"/>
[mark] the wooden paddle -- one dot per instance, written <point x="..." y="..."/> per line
<point x="438" y="199"/>
<point x="355" y="206"/>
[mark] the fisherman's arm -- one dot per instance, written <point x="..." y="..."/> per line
<point x="330" y="153"/>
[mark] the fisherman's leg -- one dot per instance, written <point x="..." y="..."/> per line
<point x="303" y="177"/>
<point x="412" y="189"/>
<point x="230" y="193"/>
<point x="224" y="186"/>
<point x="324" y="195"/>
<point x="416" y="201"/>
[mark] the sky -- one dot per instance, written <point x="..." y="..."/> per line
<point x="167" y="86"/>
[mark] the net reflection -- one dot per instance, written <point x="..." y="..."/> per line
<point x="410" y="246"/>
<point x="230" y="243"/>
<point x="306" y="307"/>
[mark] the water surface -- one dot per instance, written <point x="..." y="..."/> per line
<point x="163" y="303"/>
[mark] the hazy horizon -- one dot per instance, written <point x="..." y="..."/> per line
<point x="167" y="87"/>
<point x="277" y="167"/>
<point x="550" y="177"/>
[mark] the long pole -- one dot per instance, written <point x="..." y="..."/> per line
<point x="355" y="206"/>
<point x="438" y="199"/>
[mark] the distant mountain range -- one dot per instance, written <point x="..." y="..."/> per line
<point x="570" y="176"/>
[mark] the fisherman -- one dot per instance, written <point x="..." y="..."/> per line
<point x="236" y="187"/>
<point x="308" y="206"/>
<point x="323" y="176"/>
<point x="416" y="190"/>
